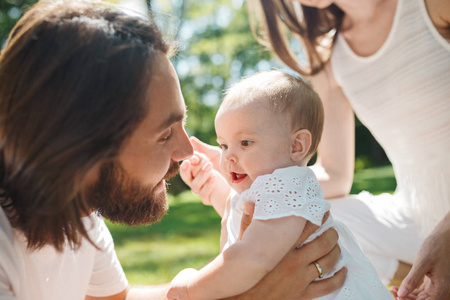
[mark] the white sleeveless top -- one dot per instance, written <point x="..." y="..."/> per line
<point x="402" y="95"/>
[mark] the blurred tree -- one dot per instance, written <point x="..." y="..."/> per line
<point x="10" y="12"/>
<point x="217" y="49"/>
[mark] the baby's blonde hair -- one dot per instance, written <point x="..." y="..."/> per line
<point x="283" y="94"/>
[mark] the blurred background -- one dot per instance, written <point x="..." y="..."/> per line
<point x="216" y="49"/>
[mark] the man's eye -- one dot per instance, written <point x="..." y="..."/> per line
<point x="167" y="137"/>
<point x="246" y="143"/>
<point x="223" y="146"/>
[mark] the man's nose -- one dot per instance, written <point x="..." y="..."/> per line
<point x="185" y="149"/>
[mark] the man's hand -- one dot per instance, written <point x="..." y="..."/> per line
<point x="293" y="277"/>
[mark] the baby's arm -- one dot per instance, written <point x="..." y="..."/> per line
<point x="240" y="267"/>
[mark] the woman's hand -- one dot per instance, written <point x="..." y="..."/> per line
<point x="293" y="277"/>
<point x="433" y="263"/>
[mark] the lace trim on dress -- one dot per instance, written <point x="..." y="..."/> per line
<point x="292" y="191"/>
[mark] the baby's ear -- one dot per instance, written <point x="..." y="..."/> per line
<point x="301" y="142"/>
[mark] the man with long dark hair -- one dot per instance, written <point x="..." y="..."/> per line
<point x="92" y="123"/>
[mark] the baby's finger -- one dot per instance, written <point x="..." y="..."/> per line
<point x="202" y="176"/>
<point x="185" y="172"/>
<point x="207" y="189"/>
<point x="212" y="152"/>
<point x="195" y="159"/>
<point x="198" y="161"/>
<point x="200" y="146"/>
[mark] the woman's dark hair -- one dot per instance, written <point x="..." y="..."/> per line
<point x="317" y="30"/>
<point x="73" y="85"/>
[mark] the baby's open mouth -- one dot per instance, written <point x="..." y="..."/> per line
<point x="238" y="177"/>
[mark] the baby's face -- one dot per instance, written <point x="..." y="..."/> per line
<point x="254" y="142"/>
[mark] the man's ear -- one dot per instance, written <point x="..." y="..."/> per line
<point x="301" y="142"/>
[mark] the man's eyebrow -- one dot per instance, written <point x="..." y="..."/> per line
<point x="173" y="118"/>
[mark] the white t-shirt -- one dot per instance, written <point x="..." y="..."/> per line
<point x="50" y="275"/>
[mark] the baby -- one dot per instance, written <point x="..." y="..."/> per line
<point x="268" y="127"/>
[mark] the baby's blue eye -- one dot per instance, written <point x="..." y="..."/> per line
<point x="246" y="143"/>
<point x="223" y="146"/>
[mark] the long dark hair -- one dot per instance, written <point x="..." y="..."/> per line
<point x="317" y="31"/>
<point x="73" y="79"/>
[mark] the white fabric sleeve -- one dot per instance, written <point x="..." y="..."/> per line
<point x="8" y="269"/>
<point x="107" y="276"/>
<point x="11" y="268"/>
<point x="292" y="191"/>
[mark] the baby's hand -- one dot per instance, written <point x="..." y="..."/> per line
<point x="179" y="285"/>
<point x="197" y="172"/>
<point x="206" y="182"/>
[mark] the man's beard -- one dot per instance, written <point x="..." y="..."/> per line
<point x="120" y="198"/>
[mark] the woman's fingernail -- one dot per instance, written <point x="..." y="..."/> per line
<point x="184" y="166"/>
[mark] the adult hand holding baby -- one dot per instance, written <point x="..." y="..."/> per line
<point x="294" y="277"/>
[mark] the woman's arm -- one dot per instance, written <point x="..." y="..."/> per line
<point x="336" y="152"/>
<point x="439" y="12"/>
<point x="241" y="266"/>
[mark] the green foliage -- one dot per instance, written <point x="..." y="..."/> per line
<point x="375" y="180"/>
<point x="216" y="56"/>
<point x="10" y="12"/>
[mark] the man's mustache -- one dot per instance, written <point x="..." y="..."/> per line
<point x="173" y="170"/>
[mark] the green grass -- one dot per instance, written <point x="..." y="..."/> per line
<point x="188" y="236"/>
<point x="375" y="180"/>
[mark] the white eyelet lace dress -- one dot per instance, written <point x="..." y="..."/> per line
<point x="294" y="191"/>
